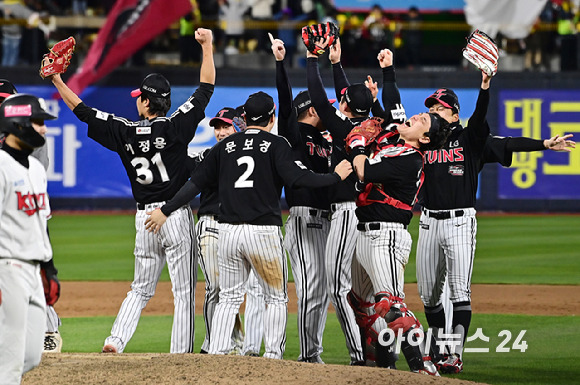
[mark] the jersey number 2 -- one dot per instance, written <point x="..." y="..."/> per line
<point x="244" y="181"/>
<point x="144" y="173"/>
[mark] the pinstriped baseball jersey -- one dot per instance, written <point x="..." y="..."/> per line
<point x="154" y="153"/>
<point x="308" y="225"/>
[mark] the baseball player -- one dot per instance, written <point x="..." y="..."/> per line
<point x="25" y="250"/>
<point x="207" y="233"/>
<point x="393" y="176"/>
<point x="52" y="338"/>
<point x="308" y="223"/>
<point x="448" y="225"/>
<point x="250" y="168"/>
<point x="253" y="317"/>
<point x="153" y="151"/>
<point x="355" y="105"/>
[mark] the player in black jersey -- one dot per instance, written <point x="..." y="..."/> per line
<point x="249" y="169"/>
<point x="393" y="175"/>
<point x="308" y="223"/>
<point x="448" y="226"/>
<point x="207" y="235"/>
<point x="355" y="105"/>
<point x="154" y="152"/>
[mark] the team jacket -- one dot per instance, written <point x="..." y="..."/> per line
<point x="451" y="173"/>
<point x="153" y="152"/>
<point x="308" y="145"/>
<point x="250" y="168"/>
<point x="337" y="123"/>
<point x="24" y="207"/>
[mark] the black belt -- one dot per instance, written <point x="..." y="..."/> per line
<point x="140" y="206"/>
<point x="370" y="226"/>
<point x="321" y="213"/>
<point x="445" y="214"/>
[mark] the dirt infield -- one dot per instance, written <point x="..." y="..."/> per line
<point x="177" y="369"/>
<point x="86" y="299"/>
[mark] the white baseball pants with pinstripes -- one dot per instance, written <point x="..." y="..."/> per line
<point x="207" y="235"/>
<point x="340" y="248"/>
<point x="383" y="254"/>
<point x="242" y="248"/>
<point x="446" y="247"/>
<point x="52" y="320"/>
<point x="305" y="242"/>
<point x="174" y="245"/>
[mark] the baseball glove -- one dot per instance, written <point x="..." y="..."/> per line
<point x="482" y="52"/>
<point x="58" y="59"/>
<point x="50" y="282"/>
<point x="363" y="134"/>
<point x="316" y="33"/>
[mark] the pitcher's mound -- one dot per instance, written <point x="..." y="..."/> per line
<point x="98" y="368"/>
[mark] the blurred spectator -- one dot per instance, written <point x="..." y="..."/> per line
<point x="261" y="12"/>
<point x="189" y="50"/>
<point x="412" y="38"/>
<point x="567" y="36"/>
<point x="14" y="11"/>
<point x="288" y="27"/>
<point x="350" y="35"/>
<point x="540" y="41"/>
<point x="377" y="33"/>
<point x="232" y="23"/>
<point x="79" y="7"/>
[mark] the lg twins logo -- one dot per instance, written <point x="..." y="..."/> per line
<point x="31" y="203"/>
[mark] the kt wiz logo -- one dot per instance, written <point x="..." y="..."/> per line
<point x="31" y="203"/>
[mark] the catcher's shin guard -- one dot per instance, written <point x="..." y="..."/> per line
<point x="386" y="357"/>
<point x="412" y="353"/>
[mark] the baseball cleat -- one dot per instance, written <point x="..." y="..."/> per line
<point x="451" y="365"/>
<point x="52" y="342"/>
<point x="429" y="368"/>
<point x="109" y="348"/>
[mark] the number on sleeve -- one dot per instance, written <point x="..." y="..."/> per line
<point x="244" y="181"/>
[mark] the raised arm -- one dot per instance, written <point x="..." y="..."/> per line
<point x="478" y="122"/>
<point x="68" y="96"/>
<point x="207" y="72"/>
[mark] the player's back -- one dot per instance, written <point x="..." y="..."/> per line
<point x="250" y="184"/>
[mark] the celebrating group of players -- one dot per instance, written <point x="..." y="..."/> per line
<point x="351" y="182"/>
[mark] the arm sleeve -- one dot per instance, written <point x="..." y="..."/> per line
<point x="394" y="111"/>
<point x="478" y="126"/>
<point x="333" y="120"/>
<point x="185" y="194"/>
<point x="377" y="110"/>
<point x="315" y="180"/>
<point x="103" y="127"/>
<point x="522" y="144"/>
<point x="287" y="120"/>
<point x="500" y="150"/>
<point x="340" y="80"/>
<point x="187" y="116"/>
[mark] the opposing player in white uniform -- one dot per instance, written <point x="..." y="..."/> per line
<point x="207" y="234"/>
<point x="24" y="243"/>
<point x="250" y="168"/>
<point x="154" y="152"/>
<point x="52" y="338"/>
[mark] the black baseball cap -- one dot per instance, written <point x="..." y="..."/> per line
<point x="226" y="115"/>
<point x="358" y="98"/>
<point x="446" y="97"/>
<point x="6" y="88"/>
<point x="259" y="107"/>
<point x="154" y="85"/>
<point x="302" y="102"/>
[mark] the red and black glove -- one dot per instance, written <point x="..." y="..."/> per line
<point x="58" y="59"/>
<point x="50" y="282"/>
<point x="363" y="135"/>
<point x="314" y="34"/>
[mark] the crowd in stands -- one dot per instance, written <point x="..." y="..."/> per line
<point x="240" y="27"/>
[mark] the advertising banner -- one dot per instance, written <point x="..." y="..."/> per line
<point x="540" y="114"/>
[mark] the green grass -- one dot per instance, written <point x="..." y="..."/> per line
<point x="551" y="355"/>
<point x="510" y="249"/>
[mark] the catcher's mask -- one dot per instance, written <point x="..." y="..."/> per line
<point x="446" y="97"/>
<point x="16" y="115"/>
